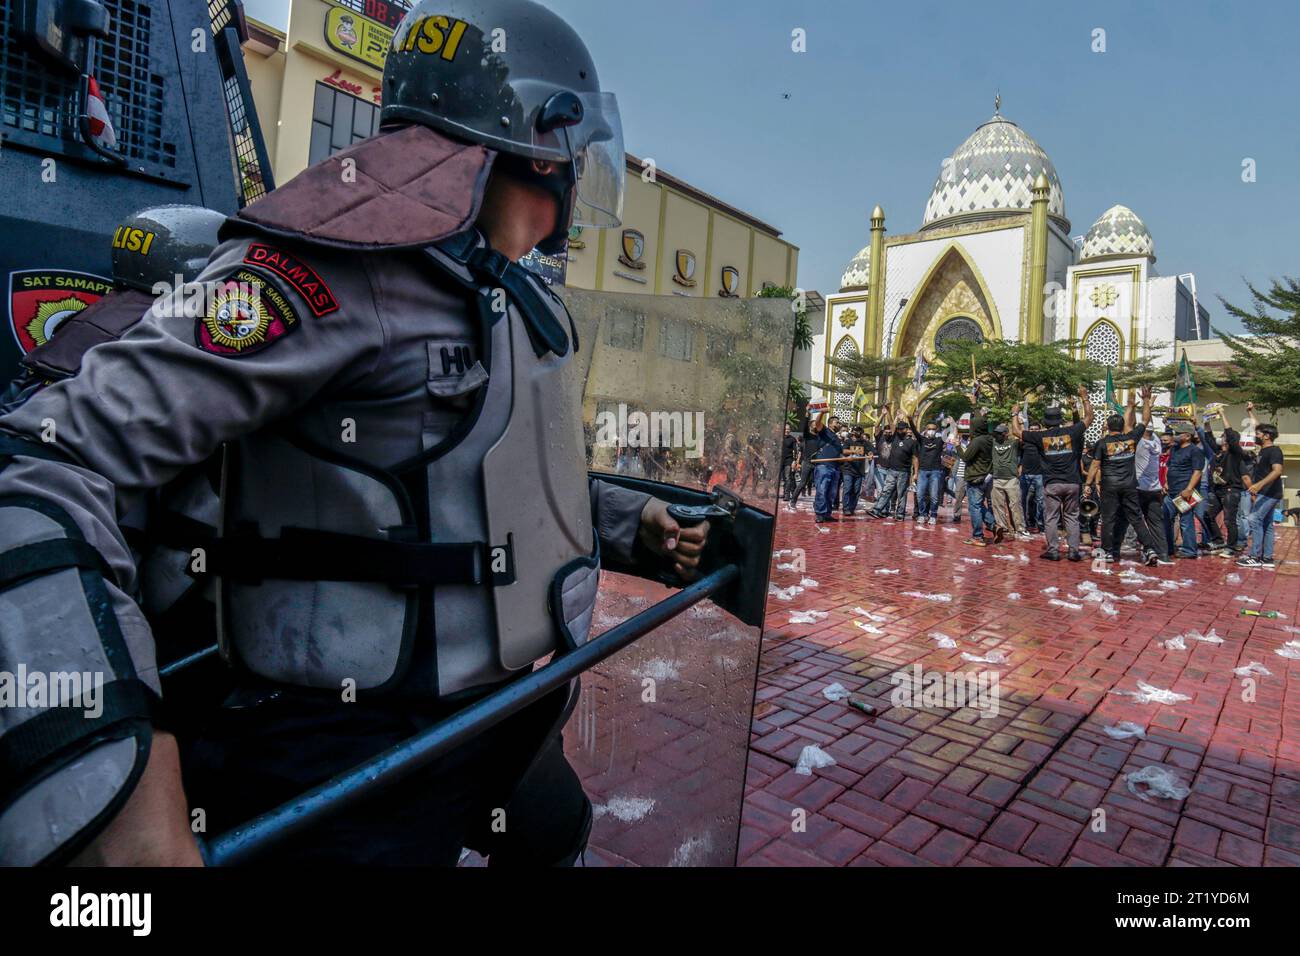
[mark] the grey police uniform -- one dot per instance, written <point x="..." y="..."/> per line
<point x="405" y="504"/>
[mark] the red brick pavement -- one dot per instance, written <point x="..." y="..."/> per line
<point x="945" y="786"/>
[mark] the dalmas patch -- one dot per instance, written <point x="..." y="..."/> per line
<point x="245" y="315"/>
<point x="297" y="273"/>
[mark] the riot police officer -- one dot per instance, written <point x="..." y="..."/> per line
<point x="384" y="378"/>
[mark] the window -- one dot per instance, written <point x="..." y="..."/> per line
<point x="338" y="120"/>
<point x="720" y="346"/>
<point x="1103" y="345"/>
<point x="843" y="400"/>
<point x="625" y="330"/>
<point x="676" y="340"/>
<point x="959" y="329"/>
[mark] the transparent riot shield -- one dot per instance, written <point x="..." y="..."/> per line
<point x="681" y="397"/>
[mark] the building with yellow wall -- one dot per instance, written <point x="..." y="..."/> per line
<point x="317" y="90"/>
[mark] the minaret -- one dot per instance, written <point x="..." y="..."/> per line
<point x="1037" y="259"/>
<point x="876" y="285"/>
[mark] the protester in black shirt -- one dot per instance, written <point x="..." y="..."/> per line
<point x="1031" y="483"/>
<point x="904" y="458"/>
<point x="1265" y="488"/>
<point x="929" y="470"/>
<point x="1114" y="471"/>
<point x="1060" y="446"/>
<point x="852" y="472"/>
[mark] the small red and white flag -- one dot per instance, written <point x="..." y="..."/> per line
<point x="101" y="127"/>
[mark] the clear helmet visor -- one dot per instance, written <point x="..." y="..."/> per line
<point x="596" y="145"/>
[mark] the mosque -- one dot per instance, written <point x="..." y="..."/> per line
<point x="994" y="258"/>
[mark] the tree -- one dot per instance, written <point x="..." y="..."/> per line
<point x="796" y="393"/>
<point x="1009" y="371"/>
<point x="1267" y="362"/>
<point x="866" y="372"/>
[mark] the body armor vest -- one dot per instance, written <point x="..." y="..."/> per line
<point x="439" y="574"/>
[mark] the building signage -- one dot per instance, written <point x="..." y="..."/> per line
<point x="357" y="37"/>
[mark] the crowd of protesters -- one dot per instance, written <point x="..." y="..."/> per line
<point x="1181" y="493"/>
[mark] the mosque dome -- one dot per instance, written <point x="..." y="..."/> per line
<point x="857" y="272"/>
<point x="992" y="174"/>
<point x="1117" y="233"/>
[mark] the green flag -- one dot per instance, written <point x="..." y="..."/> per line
<point x="1111" y="401"/>
<point x="1184" y="392"/>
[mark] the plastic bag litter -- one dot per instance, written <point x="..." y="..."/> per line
<point x="813" y="758"/>
<point x="869" y="628"/>
<point x="879" y="618"/>
<point x="1004" y="557"/>
<point x="786" y="567"/>
<point x="782" y="552"/>
<point x="992" y="657"/>
<point x="949" y="530"/>
<point x="1068" y="605"/>
<point x="971" y="561"/>
<point x="823" y="530"/>
<point x="1152" y="593"/>
<point x="1210" y="638"/>
<point x="1254" y="667"/>
<point x="784" y="594"/>
<point x="1291" y="630"/>
<point x="1246" y="600"/>
<point x="1024" y="558"/>
<point x="1051" y="590"/>
<point x="850" y="548"/>
<point x="1232" y="579"/>
<point x="1146" y="694"/>
<point x="943" y="640"/>
<point x="1124" y="730"/>
<point x="1290" y="650"/>
<point x="1109" y="609"/>
<point x="1013" y="596"/>
<point x="1131" y="599"/>
<point x="942" y="598"/>
<point x="921" y="554"/>
<point x="1175" y="643"/>
<point x="807" y="617"/>
<point x="1087" y="585"/>
<point x="808" y="583"/>
<point x="886" y="570"/>
<point x="1160" y="783"/>
<point x="834" y="692"/>
<point x="1168" y="585"/>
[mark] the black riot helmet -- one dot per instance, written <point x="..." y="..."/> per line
<point x="159" y="243"/>
<point x="514" y="77"/>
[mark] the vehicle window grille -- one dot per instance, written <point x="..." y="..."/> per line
<point x="41" y="99"/>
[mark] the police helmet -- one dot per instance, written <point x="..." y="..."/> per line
<point x="156" y="244"/>
<point x="514" y="77"/>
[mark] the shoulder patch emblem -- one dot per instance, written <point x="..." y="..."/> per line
<point x="244" y="315"/>
<point x="302" y="277"/>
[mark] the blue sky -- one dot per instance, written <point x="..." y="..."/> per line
<point x="1160" y="122"/>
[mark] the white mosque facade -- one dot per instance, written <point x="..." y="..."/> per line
<point x="994" y="258"/>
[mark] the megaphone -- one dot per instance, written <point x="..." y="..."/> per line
<point x="1089" y="508"/>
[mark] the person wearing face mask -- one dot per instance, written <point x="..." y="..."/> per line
<point x="1186" y="462"/>
<point x="978" y="456"/>
<point x="1151" y="492"/>
<point x="904" y="456"/>
<point x="827" y="472"/>
<point x="929" y="471"/>
<point x="1265" y="487"/>
<point x="1031" y="483"/>
<point x="959" y="472"/>
<point x="1006" y="484"/>
<point x="891" y="475"/>
<point x="1061" y="447"/>
<point x="853" y="472"/>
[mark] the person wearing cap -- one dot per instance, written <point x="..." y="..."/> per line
<point x="978" y="456"/>
<point x="853" y="472"/>
<point x="1060" y="446"/>
<point x="1186" y="462"/>
<point x="1114" y="474"/>
<point x="1005" y="472"/>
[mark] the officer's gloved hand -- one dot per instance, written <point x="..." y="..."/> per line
<point x="664" y="537"/>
